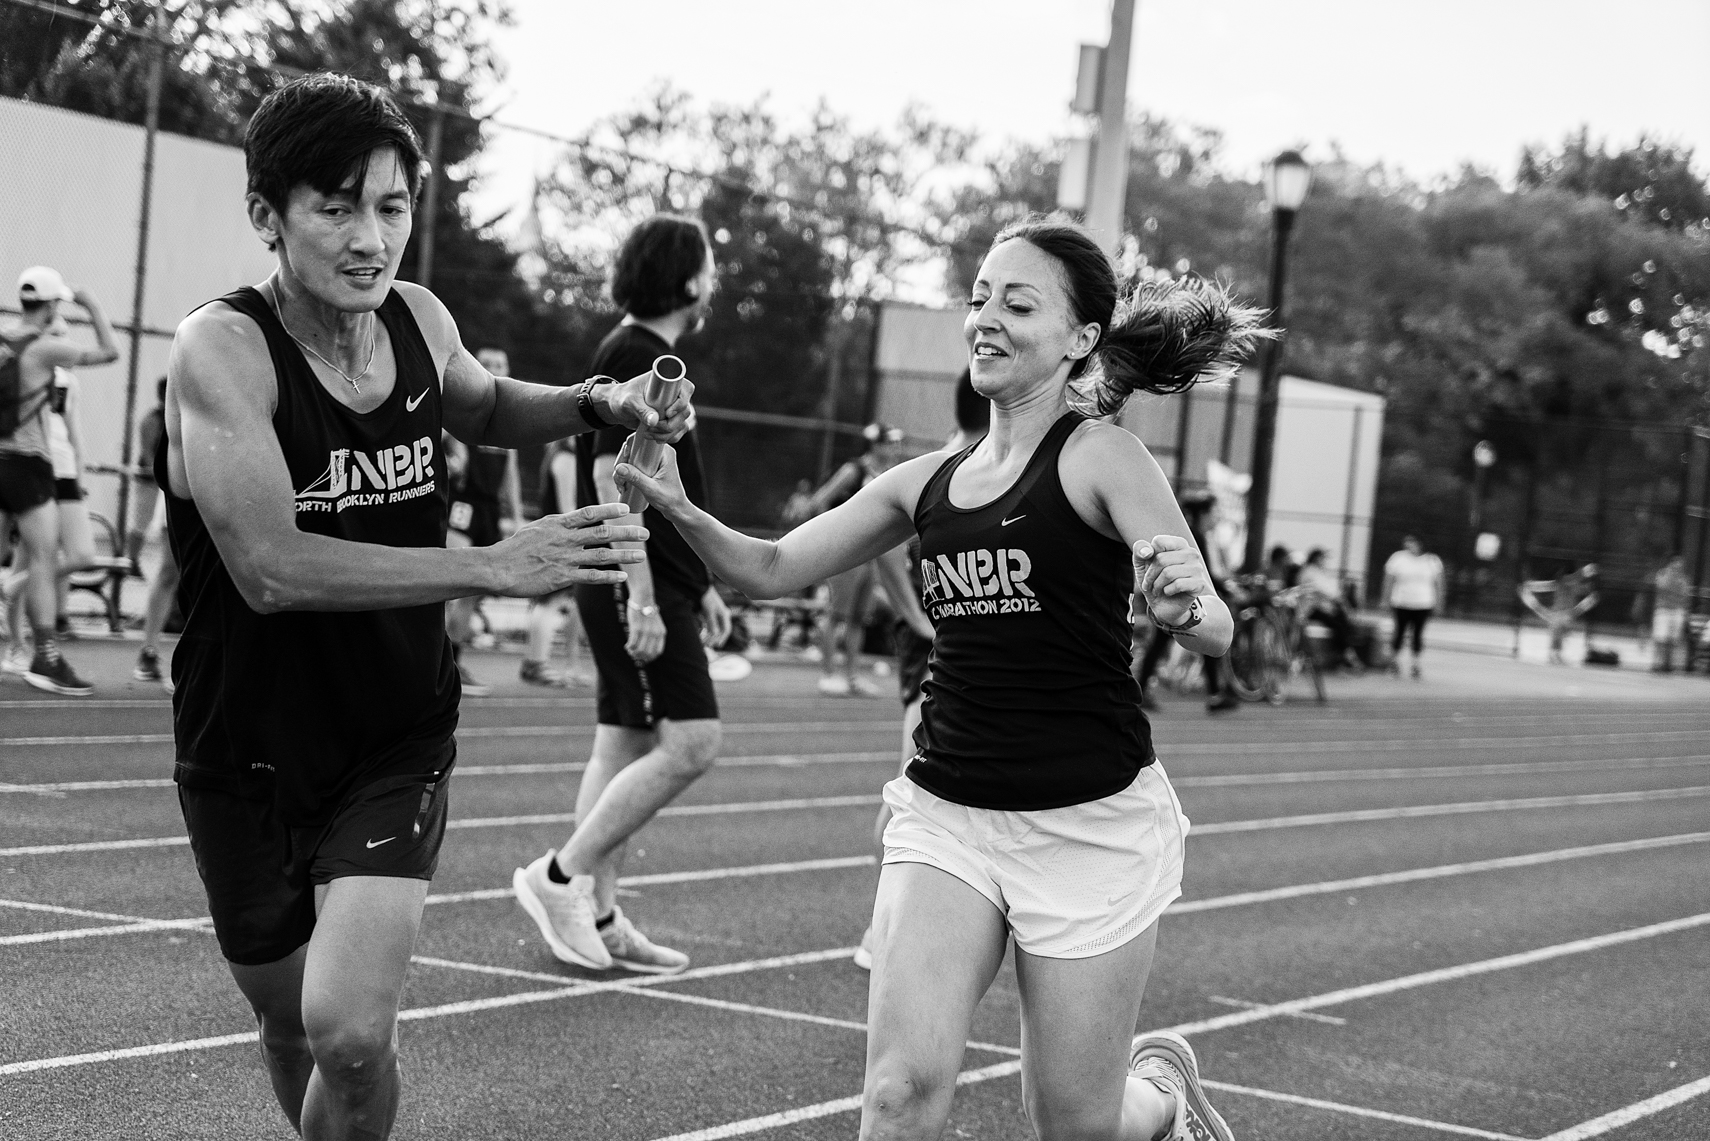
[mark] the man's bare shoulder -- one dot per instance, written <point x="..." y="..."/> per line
<point x="220" y="350"/>
<point x="432" y="317"/>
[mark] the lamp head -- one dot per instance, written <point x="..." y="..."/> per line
<point x="1287" y="179"/>
<point x="1483" y="454"/>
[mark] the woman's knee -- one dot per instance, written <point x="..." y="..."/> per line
<point x="352" y="1052"/>
<point x="901" y="1092"/>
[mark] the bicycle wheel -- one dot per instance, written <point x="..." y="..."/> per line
<point x="1271" y="653"/>
<point x="1246" y="670"/>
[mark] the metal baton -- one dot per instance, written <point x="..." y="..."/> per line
<point x="644" y="451"/>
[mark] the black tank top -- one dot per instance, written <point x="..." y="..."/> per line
<point x="301" y="707"/>
<point x="1029" y="704"/>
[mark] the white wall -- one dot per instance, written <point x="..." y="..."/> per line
<point x="71" y="198"/>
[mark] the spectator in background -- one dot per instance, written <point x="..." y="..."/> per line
<point x="1326" y="605"/>
<point x="658" y="727"/>
<point x="1280" y="571"/>
<point x="484" y="487"/>
<point x="851" y="593"/>
<point x="546" y="615"/>
<point x="76" y="539"/>
<point x="1412" y="588"/>
<point x="1571" y="595"/>
<point x="1672" y="592"/>
<point x="29" y="354"/>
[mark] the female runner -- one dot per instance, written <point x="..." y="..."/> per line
<point x="1034" y="808"/>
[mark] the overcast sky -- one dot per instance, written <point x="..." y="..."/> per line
<point x="1421" y="86"/>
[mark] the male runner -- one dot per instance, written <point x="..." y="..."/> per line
<point x="316" y="694"/>
<point x="484" y="489"/>
<point x="28" y="356"/>
<point x="658" y="716"/>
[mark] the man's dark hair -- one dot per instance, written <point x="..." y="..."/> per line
<point x="658" y="260"/>
<point x="320" y="131"/>
<point x="973" y="411"/>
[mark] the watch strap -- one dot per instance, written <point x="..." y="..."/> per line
<point x="1196" y="615"/>
<point x="585" y="403"/>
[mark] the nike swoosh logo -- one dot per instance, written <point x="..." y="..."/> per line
<point x="410" y="405"/>
<point x="377" y="843"/>
<point x="1017" y="519"/>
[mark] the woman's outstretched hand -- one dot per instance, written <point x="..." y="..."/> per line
<point x="663" y="488"/>
<point x="1169" y="573"/>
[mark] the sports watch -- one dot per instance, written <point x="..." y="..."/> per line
<point x="1195" y="615"/>
<point x="585" y="402"/>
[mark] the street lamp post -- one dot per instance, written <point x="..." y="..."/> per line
<point x="1287" y="178"/>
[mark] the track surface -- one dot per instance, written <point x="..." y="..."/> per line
<point x="1470" y="907"/>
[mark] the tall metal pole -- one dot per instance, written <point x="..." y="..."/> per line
<point x="1109" y="188"/>
<point x="151" y="128"/>
<point x="430" y="198"/>
<point x="1265" y="431"/>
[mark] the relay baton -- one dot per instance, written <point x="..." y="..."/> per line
<point x="644" y="451"/>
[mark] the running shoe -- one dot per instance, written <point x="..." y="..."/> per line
<point x="834" y="685"/>
<point x="539" y="673"/>
<point x="861" y="687"/>
<point x="632" y="951"/>
<point x="148" y="665"/>
<point x="564" y="913"/>
<point x="53" y="673"/>
<point x="471" y="687"/>
<point x="1417" y="675"/>
<point x="864" y="953"/>
<point x="1166" y="1060"/>
<point x="17" y="660"/>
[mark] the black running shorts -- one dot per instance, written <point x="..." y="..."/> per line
<point x="67" y="491"/>
<point x="674" y="686"/>
<point x="913" y="652"/>
<point x="260" y="875"/>
<point x="26" y="482"/>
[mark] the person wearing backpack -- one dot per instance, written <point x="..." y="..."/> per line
<point x="29" y="354"/>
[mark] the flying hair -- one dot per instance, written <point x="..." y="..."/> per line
<point x="1160" y="337"/>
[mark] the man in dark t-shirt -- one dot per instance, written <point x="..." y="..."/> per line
<point x="658" y="716"/>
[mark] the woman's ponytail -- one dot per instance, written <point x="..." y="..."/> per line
<point x="1167" y="336"/>
<point x="1163" y="337"/>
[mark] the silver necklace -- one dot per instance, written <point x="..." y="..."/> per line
<point x="355" y="382"/>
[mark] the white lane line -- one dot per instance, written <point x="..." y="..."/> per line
<point x="1446" y="974"/>
<point x="418" y="1014"/>
<point x="137" y="923"/>
<point x="1384" y="879"/>
<point x="1243" y="1004"/>
<point x="1610" y="1122"/>
<point x="1275" y="1010"/>
<point x="1407" y="812"/>
<point x="794" y="760"/>
<point x="1214" y="828"/>
<point x="1275" y="748"/>
<point x="1359" y="1111"/>
<point x="1519" y="768"/>
<point x="822" y="728"/>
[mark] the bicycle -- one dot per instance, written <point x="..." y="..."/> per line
<point x="1258" y="655"/>
<point x="1292" y="610"/>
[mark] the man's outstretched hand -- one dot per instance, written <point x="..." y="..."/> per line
<point x="626" y="404"/>
<point x="557" y="551"/>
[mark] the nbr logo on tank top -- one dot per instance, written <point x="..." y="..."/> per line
<point x="978" y="582"/>
<point x="356" y="479"/>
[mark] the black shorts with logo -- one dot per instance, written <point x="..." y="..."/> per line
<point x="674" y="686"/>
<point x="26" y="482"/>
<point x="260" y="874"/>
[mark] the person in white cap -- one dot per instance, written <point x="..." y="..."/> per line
<point x="29" y="354"/>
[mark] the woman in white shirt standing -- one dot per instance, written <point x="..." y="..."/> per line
<point x="1412" y="586"/>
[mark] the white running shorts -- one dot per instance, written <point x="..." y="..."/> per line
<point x="1668" y="623"/>
<point x="1071" y="882"/>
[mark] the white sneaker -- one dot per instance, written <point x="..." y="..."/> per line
<point x="861" y="687"/>
<point x="633" y="951"/>
<point x="1166" y="1060"/>
<point x="834" y="685"/>
<point x="564" y="913"/>
<point x="864" y="953"/>
<point x="17" y="660"/>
